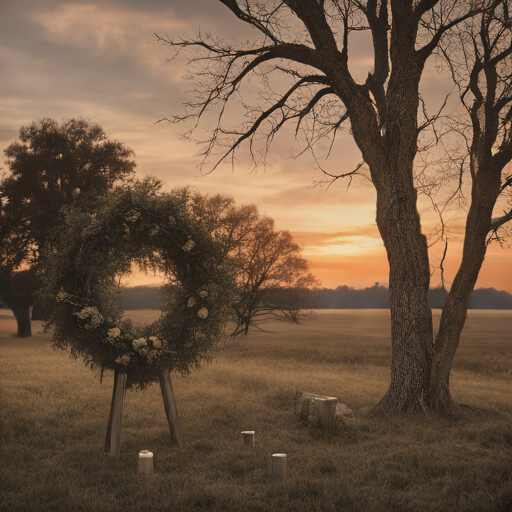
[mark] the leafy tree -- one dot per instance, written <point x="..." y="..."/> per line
<point x="50" y="166"/>
<point x="272" y="276"/>
<point x="301" y="60"/>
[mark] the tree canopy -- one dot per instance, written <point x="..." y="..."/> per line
<point x="50" y="166"/>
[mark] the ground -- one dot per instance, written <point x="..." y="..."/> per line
<point x="54" y="415"/>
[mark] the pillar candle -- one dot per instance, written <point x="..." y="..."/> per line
<point x="279" y="466"/>
<point x="248" y="436"/>
<point x="145" y="463"/>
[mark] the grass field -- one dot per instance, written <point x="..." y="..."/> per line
<point x="54" y="415"/>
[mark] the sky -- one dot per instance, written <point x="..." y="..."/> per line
<point x="101" y="60"/>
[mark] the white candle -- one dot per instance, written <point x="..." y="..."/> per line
<point x="248" y="436"/>
<point x="279" y="466"/>
<point x="145" y="463"/>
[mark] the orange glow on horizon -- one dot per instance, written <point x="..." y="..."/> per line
<point x="363" y="270"/>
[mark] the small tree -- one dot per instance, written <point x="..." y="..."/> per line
<point x="50" y="166"/>
<point x="272" y="276"/>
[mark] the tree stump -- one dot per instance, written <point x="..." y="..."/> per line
<point x="317" y="410"/>
<point x="113" y="437"/>
<point x="177" y="435"/>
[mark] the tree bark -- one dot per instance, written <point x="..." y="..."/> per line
<point x="485" y="190"/>
<point x="389" y="153"/>
<point x="22" y="315"/>
<point x="411" y="316"/>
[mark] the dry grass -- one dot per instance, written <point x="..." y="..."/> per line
<point x="54" y="414"/>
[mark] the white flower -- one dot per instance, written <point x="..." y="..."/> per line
<point x="152" y="356"/>
<point x="202" y="313"/>
<point x="62" y="296"/>
<point x="123" y="360"/>
<point x="139" y="342"/>
<point x="203" y="293"/>
<point x="191" y="302"/>
<point x="133" y="216"/>
<point x="91" y="314"/>
<point x="157" y="342"/>
<point x="189" y="245"/>
<point x="114" y="332"/>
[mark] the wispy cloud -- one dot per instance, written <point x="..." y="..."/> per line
<point x="317" y="239"/>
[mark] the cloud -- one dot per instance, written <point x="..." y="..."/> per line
<point x="323" y="196"/>
<point x="7" y="133"/>
<point x="319" y="239"/>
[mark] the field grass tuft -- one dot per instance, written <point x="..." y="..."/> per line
<point x="54" y="414"/>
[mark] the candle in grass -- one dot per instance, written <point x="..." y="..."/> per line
<point x="248" y="436"/>
<point x="279" y="466"/>
<point x="145" y="463"/>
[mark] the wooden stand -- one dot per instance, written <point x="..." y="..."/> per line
<point x="177" y="436"/>
<point x="113" y="437"/>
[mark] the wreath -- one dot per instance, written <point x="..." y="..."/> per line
<point x="82" y="293"/>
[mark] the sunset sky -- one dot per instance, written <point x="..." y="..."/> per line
<point x="100" y="60"/>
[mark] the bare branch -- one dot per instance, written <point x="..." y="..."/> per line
<point x="248" y="134"/>
<point x="251" y="20"/>
<point x="424" y="6"/>
<point x="426" y="51"/>
<point x="500" y="221"/>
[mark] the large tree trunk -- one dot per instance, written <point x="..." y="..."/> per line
<point x="390" y="154"/>
<point x="411" y="315"/>
<point x="22" y="315"/>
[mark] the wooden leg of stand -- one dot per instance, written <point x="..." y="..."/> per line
<point x="177" y="436"/>
<point x="113" y="437"/>
<point x="111" y="413"/>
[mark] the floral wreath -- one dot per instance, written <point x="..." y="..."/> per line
<point x="82" y="298"/>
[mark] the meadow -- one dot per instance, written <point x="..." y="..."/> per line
<point x="54" y="417"/>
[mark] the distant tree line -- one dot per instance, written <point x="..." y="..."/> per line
<point x="142" y="297"/>
<point x="343" y="297"/>
<point x="377" y="297"/>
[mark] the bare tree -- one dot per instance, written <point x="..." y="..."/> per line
<point x="272" y="276"/>
<point x="306" y="42"/>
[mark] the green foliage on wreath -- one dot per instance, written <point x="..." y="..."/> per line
<point x="82" y="298"/>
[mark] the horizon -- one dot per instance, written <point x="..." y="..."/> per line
<point x="384" y="285"/>
<point x="342" y="297"/>
<point x="101" y="61"/>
